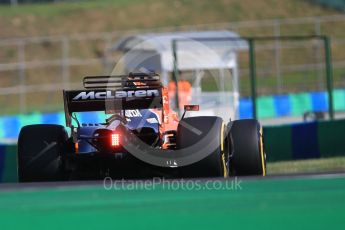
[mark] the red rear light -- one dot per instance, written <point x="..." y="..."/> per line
<point x="76" y="147"/>
<point x="115" y="139"/>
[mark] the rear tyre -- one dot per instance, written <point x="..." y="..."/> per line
<point x="213" y="165"/>
<point x="40" y="153"/>
<point x="247" y="153"/>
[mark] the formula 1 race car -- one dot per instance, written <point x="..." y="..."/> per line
<point x="140" y="138"/>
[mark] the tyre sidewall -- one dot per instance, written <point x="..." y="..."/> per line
<point x="40" y="156"/>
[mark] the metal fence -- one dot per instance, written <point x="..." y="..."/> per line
<point x="34" y="70"/>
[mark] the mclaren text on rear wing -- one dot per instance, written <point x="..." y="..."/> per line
<point x="114" y="93"/>
<point x="110" y="100"/>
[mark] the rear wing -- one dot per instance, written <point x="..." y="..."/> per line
<point x="114" y="93"/>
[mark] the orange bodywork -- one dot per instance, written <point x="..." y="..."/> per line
<point x="184" y="92"/>
<point x="170" y="118"/>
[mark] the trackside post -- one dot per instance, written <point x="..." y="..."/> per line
<point x="329" y="75"/>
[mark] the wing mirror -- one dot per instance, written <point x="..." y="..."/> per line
<point x="190" y="108"/>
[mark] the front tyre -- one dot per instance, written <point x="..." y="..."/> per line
<point x="40" y="153"/>
<point x="247" y="148"/>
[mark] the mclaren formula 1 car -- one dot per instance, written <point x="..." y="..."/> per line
<point x="141" y="137"/>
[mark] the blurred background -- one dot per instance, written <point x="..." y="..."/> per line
<point x="47" y="46"/>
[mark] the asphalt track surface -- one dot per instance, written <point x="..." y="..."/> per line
<point x="314" y="201"/>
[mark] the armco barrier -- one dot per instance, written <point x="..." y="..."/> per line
<point x="331" y="138"/>
<point x="286" y="142"/>
<point x="305" y="140"/>
<point x="278" y="143"/>
<point x="8" y="163"/>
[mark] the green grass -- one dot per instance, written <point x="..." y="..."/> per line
<point x="109" y="15"/>
<point x="62" y="8"/>
<point x="333" y="164"/>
